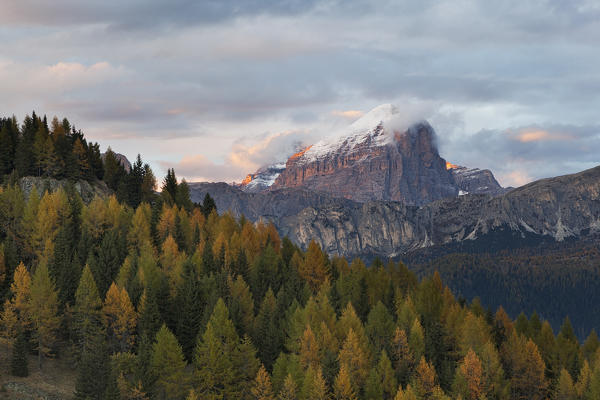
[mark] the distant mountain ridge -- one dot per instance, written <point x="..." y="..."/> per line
<point x="554" y="208"/>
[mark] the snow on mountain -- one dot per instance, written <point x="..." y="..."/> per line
<point x="377" y="128"/>
<point x="262" y="179"/>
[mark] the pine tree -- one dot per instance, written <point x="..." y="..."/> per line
<point x="168" y="365"/>
<point x="18" y="366"/>
<point x="44" y="311"/>
<point x="262" y="388"/>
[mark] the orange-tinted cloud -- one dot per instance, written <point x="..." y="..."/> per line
<point x="348" y="114"/>
<point x="538" y="135"/>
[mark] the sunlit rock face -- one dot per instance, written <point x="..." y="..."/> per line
<point x="375" y="159"/>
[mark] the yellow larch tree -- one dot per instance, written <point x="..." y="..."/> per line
<point x="120" y="318"/>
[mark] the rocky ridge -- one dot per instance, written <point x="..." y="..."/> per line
<point x="556" y="208"/>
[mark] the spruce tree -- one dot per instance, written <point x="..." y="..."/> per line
<point x="93" y="369"/>
<point x="19" y="363"/>
<point x="189" y="305"/>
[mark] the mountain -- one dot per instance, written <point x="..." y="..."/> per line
<point x="551" y="209"/>
<point x="262" y="179"/>
<point x="375" y="159"/>
<point x="475" y="180"/>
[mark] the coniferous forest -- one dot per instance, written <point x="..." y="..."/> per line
<point x="150" y="296"/>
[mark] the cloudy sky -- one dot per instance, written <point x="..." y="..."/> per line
<point x="215" y="88"/>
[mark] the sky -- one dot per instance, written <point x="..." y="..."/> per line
<point x="217" y="88"/>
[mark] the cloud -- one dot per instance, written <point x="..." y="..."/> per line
<point x="523" y="154"/>
<point x="241" y="71"/>
<point x="527" y="135"/>
<point x="348" y="114"/>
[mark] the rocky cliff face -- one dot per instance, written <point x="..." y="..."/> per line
<point x="373" y="160"/>
<point x="555" y="208"/>
<point x="475" y="180"/>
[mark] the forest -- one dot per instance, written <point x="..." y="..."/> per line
<point x="151" y="296"/>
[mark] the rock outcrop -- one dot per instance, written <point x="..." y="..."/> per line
<point x="374" y="160"/>
<point x="87" y="190"/>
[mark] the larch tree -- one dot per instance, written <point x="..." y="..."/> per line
<point x="315" y="387"/>
<point x="565" y="390"/>
<point x="407" y="394"/>
<point x="468" y="381"/>
<point x="43" y="306"/>
<point x="223" y="366"/>
<point x="354" y="358"/>
<point x="424" y="379"/>
<point x="343" y="386"/>
<point x="313" y="269"/>
<point x="168" y="365"/>
<point x="402" y="356"/>
<point x="309" y="349"/>
<point x="289" y="391"/>
<point x="120" y="318"/>
<point x="262" y="389"/>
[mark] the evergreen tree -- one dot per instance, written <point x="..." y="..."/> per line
<point x="18" y="366"/>
<point x="208" y="205"/>
<point x="169" y="187"/>
<point x="267" y="334"/>
<point x="189" y="304"/>
<point x="93" y="369"/>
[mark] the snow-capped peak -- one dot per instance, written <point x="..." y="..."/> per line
<point x="379" y="114"/>
<point x="377" y="127"/>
